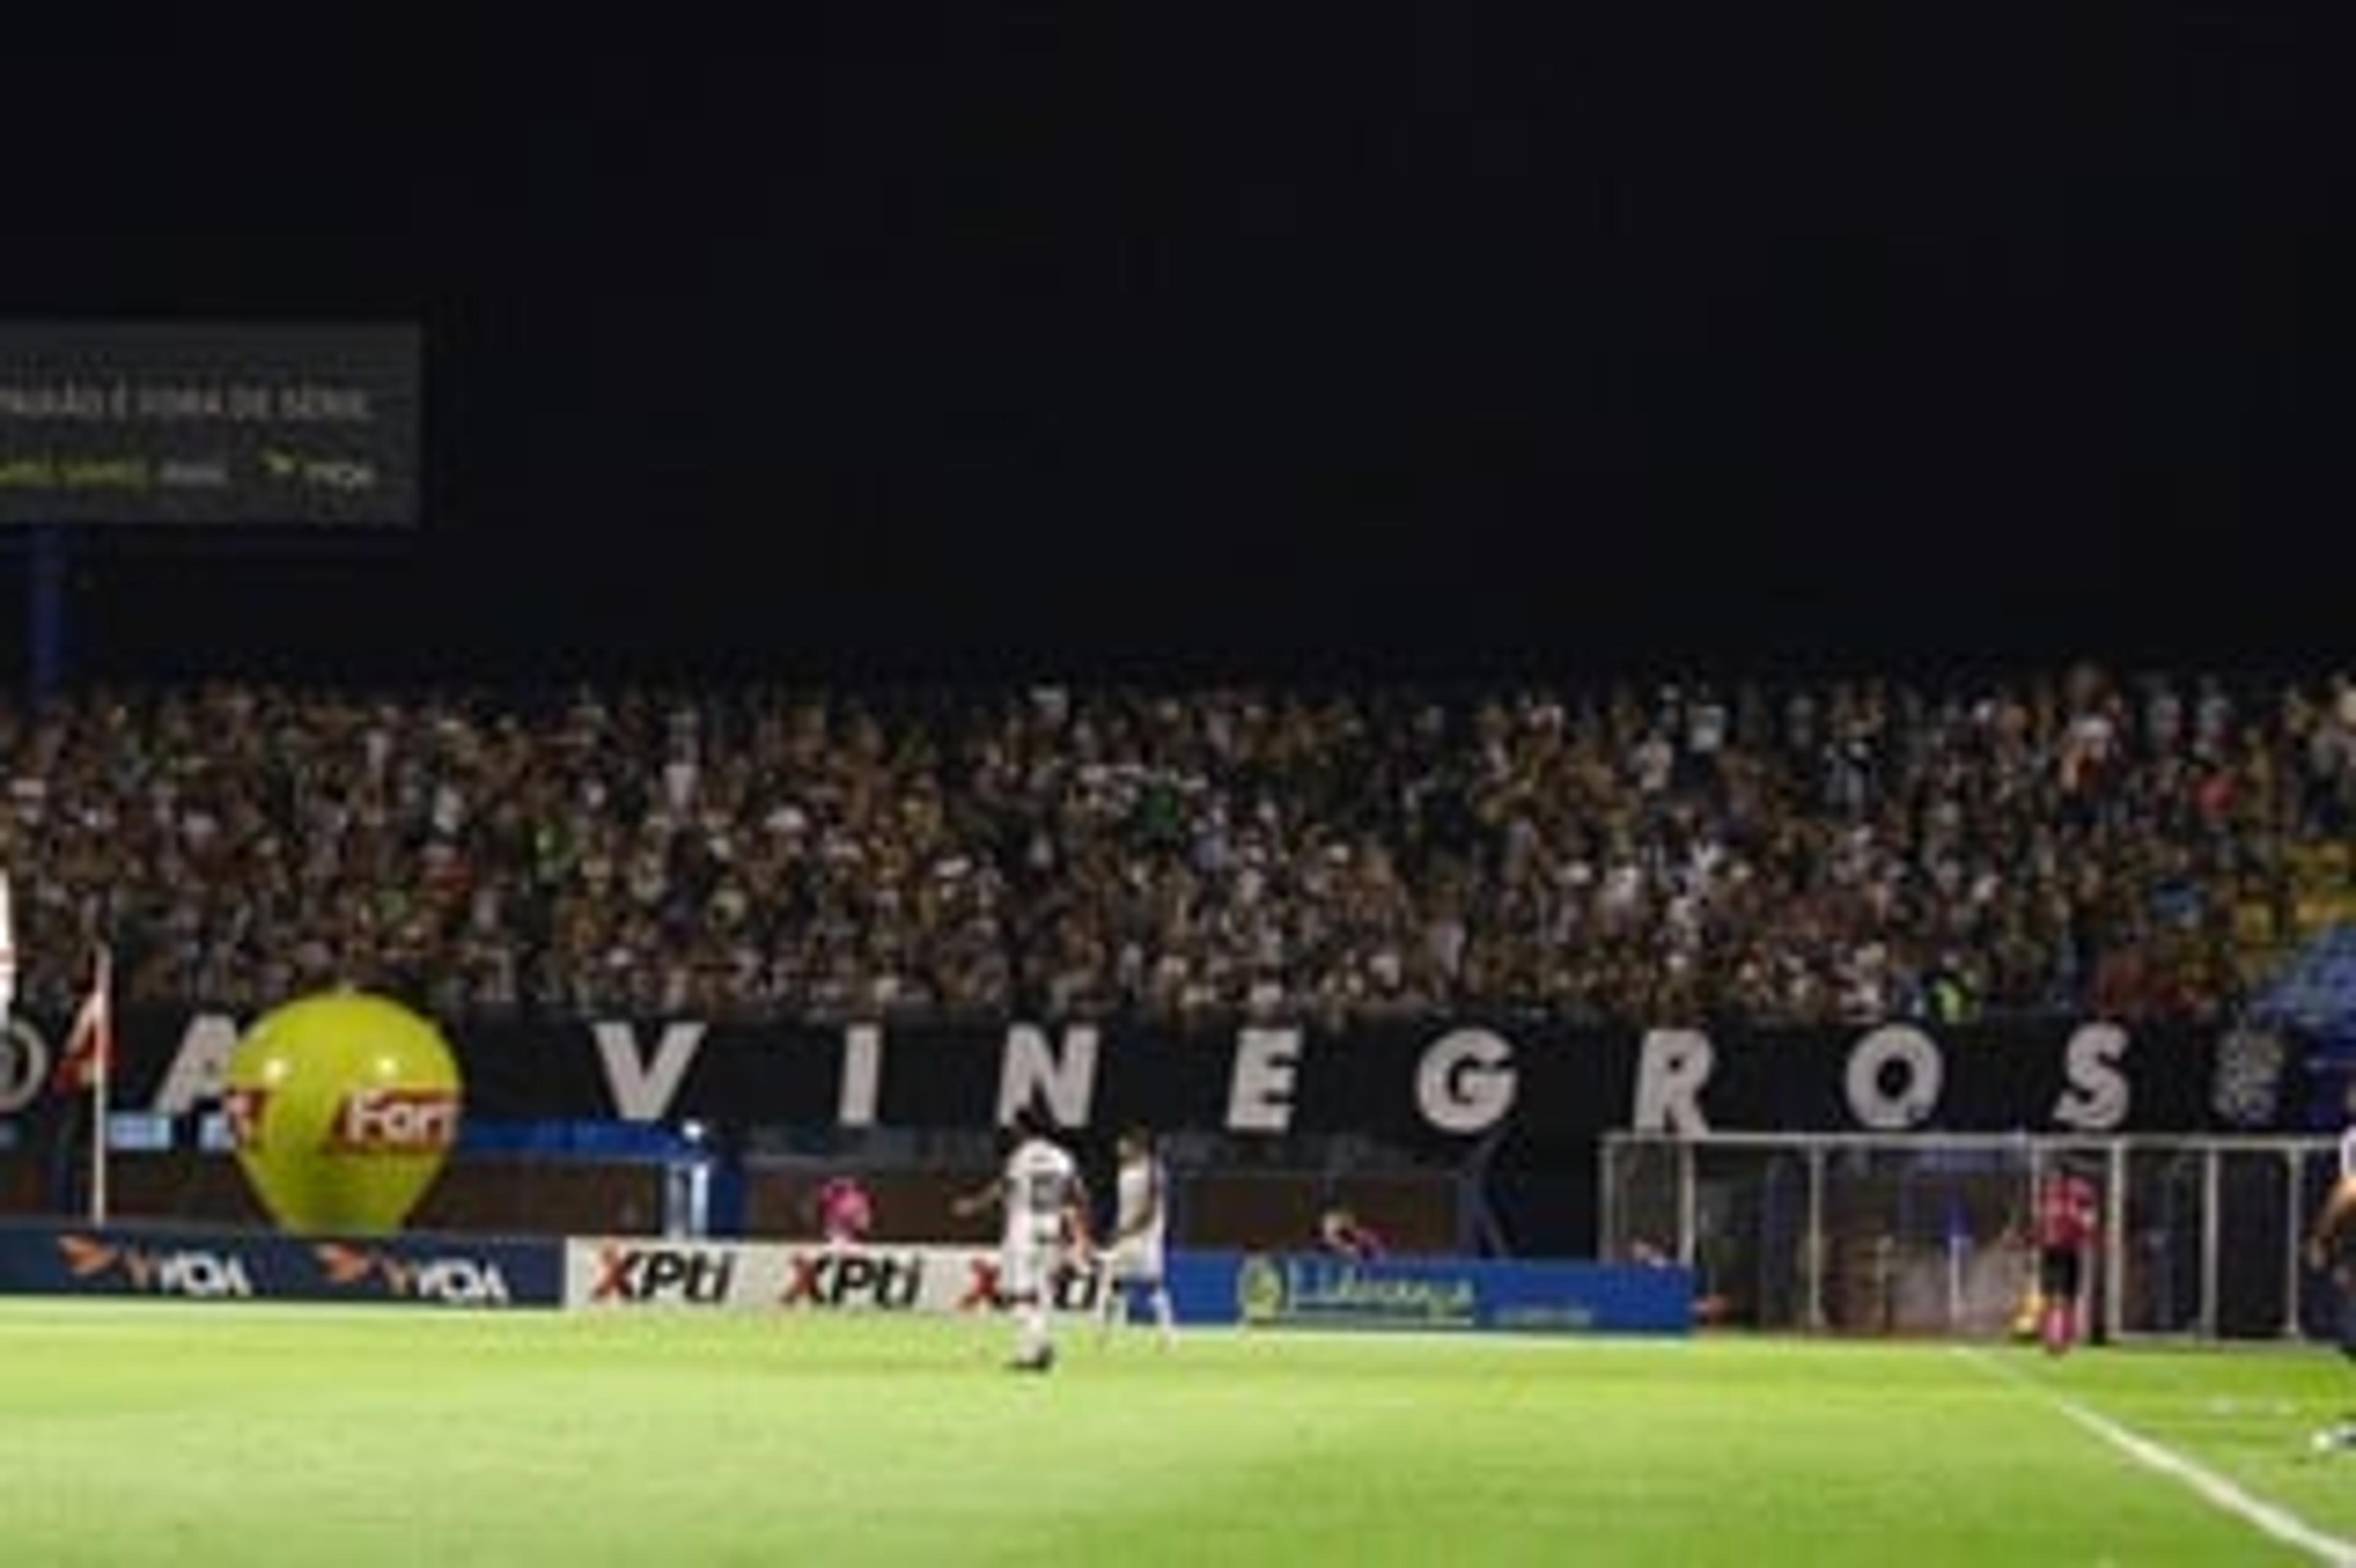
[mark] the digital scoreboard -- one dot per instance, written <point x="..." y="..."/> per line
<point x="209" y="422"/>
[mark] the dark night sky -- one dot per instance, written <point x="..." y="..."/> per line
<point x="1005" y="349"/>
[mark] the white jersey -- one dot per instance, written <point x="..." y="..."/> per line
<point x="1041" y="1185"/>
<point x="1142" y="1215"/>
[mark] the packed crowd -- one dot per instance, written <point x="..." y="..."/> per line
<point x="1844" y="850"/>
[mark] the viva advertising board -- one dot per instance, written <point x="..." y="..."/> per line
<point x="235" y="1266"/>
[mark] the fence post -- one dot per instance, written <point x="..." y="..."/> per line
<point x="2294" y="1238"/>
<point x="1816" y="1256"/>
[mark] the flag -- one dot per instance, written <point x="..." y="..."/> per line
<point x="90" y="1048"/>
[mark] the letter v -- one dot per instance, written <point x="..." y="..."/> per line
<point x="643" y="1090"/>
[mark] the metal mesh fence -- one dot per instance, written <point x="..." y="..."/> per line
<point x="1930" y="1234"/>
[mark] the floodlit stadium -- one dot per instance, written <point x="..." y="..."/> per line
<point x="1565" y="787"/>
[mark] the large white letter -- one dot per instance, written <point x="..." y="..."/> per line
<point x="862" y="1070"/>
<point x="199" y="1069"/>
<point x="1882" y="1112"/>
<point x="642" y="1090"/>
<point x="1260" y="1095"/>
<point x="1029" y="1067"/>
<point x="1465" y="1081"/>
<point x="1671" y="1070"/>
<point x="2097" y="1097"/>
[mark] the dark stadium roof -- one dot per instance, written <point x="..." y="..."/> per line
<point x="1007" y="350"/>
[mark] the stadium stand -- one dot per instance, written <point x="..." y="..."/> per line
<point x="2316" y="991"/>
<point x="1801" y="852"/>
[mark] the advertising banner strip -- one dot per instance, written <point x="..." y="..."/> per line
<point x="1309" y="1291"/>
<point x="237" y="1265"/>
<point x="620" y="1272"/>
<point x="1270" y="1291"/>
<point x="767" y="1276"/>
<point x="1443" y="1084"/>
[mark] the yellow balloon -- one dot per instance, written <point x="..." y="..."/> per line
<point x="343" y="1107"/>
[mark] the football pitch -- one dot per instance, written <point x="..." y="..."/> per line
<point x="201" y="1434"/>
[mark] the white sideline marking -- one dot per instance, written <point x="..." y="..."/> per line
<point x="2211" y="1487"/>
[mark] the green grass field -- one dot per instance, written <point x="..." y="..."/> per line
<point x="201" y="1435"/>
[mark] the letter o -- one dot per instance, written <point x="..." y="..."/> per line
<point x="1876" y="1108"/>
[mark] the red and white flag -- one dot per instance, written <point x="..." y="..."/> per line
<point x="90" y="1048"/>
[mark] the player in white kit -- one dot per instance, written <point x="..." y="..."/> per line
<point x="1141" y="1222"/>
<point x="1040" y="1193"/>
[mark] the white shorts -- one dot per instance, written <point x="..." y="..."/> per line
<point x="1137" y="1261"/>
<point x="1028" y="1267"/>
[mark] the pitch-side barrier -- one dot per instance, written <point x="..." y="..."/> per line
<point x="640" y="1273"/>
